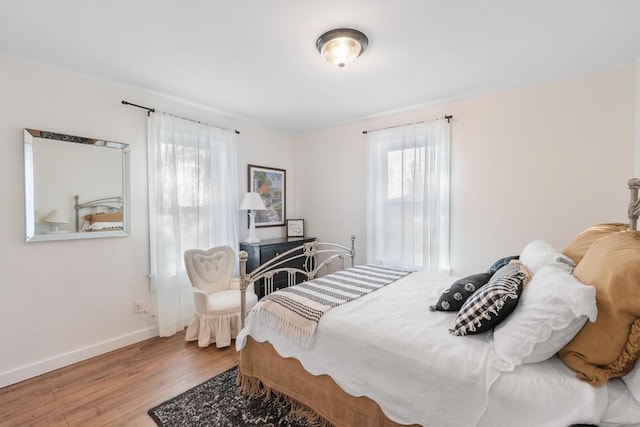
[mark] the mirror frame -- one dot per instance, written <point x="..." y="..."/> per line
<point x="29" y="187"/>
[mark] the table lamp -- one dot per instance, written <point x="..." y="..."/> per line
<point x="252" y="202"/>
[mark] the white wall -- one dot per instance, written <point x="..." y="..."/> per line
<point x="64" y="301"/>
<point x="540" y="162"/>
<point x="637" y="157"/>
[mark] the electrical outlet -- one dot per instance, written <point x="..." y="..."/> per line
<point x="138" y="306"/>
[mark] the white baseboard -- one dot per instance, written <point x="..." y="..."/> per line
<point x="33" y="370"/>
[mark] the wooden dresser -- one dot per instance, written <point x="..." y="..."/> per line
<point x="263" y="251"/>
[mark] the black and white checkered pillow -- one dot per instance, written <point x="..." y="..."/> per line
<point x="493" y="302"/>
<point x="455" y="295"/>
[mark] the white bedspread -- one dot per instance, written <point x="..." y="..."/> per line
<point x="389" y="347"/>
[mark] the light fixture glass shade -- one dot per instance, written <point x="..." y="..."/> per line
<point x="252" y="201"/>
<point x="341" y="46"/>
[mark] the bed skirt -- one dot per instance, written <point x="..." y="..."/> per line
<point x="318" y="399"/>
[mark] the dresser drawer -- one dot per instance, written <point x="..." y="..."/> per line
<point x="271" y="252"/>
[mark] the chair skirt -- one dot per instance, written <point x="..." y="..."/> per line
<point x="209" y="329"/>
<point x="218" y="328"/>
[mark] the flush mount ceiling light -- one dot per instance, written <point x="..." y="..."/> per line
<point x="341" y="46"/>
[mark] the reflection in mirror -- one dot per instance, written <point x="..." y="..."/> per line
<point x="75" y="187"/>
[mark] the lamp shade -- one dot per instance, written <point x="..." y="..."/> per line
<point x="55" y="217"/>
<point x="252" y="201"/>
<point x="341" y="46"/>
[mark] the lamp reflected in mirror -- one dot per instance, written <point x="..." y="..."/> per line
<point x="56" y="220"/>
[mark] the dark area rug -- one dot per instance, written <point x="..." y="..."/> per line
<point x="218" y="402"/>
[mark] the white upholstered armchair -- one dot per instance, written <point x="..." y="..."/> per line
<point x="216" y="295"/>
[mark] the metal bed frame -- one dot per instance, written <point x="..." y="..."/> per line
<point x="107" y="204"/>
<point x="317" y="256"/>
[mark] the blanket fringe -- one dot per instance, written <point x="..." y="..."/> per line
<point x="599" y="375"/>
<point x="629" y="353"/>
<point x="252" y="386"/>
<point x="299" y="333"/>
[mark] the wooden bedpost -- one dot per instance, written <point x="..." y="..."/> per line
<point x="244" y="283"/>
<point x="634" y="203"/>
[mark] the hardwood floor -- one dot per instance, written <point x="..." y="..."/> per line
<point x="116" y="388"/>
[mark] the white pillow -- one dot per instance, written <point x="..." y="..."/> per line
<point x="553" y="307"/>
<point x="539" y="253"/>
<point x="106" y="226"/>
<point x="632" y="380"/>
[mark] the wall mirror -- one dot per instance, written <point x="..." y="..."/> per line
<point x="75" y="187"/>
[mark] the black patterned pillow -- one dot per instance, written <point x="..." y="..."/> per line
<point x="501" y="263"/>
<point x="492" y="303"/>
<point x="453" y="297"/>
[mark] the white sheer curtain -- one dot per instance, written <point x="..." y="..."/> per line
<point x="192" y="204"/>
<point x="408" y="196"/>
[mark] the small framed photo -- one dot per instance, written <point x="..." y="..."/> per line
<point x="295" y="228"/>
<point x="270" y="184"/>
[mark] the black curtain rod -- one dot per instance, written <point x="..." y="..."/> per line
<point x="149" y="110"/>
<point x="446" y="117"/>
<point x="153" y="110"/>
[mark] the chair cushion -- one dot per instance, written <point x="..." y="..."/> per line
<point x="228" y="302"/>
<point x="210" y="270"/>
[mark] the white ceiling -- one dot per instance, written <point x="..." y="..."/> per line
<point x="257" y="59"/>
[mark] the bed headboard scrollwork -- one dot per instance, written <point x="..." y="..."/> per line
<point x="316" y="256"/>
<point x="106" y="205"/>
<point x="634" y="203"/>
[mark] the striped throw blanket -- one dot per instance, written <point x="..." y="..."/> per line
<point x="296" y="310"/>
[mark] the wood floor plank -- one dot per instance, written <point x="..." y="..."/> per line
<point x="117" y="388"/>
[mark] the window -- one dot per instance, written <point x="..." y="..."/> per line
<point x="408" y="196"/>
<point x="193" y="203"/>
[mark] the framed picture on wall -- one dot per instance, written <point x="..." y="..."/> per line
<point x="295" y="228"/>
<point x="270" y="184"/>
